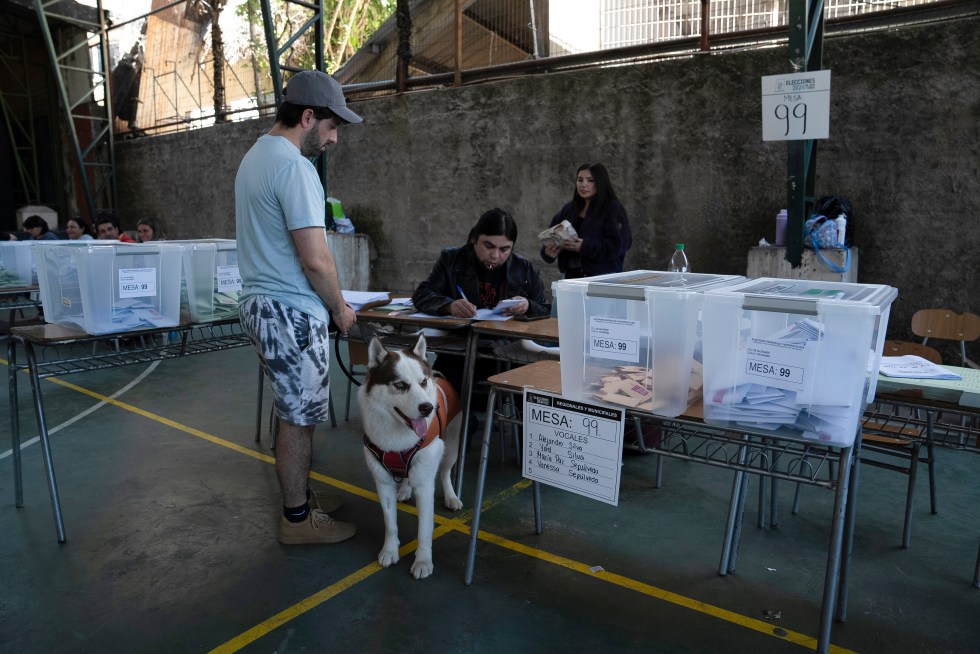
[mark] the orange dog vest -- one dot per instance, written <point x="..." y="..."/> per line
<point x="398" y="463"/>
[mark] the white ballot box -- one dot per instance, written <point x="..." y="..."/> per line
<point x="794" y="357"/>
<point x="15" y="264"/>
<point x="211" y="282"/>
<point x="632" y="338"/>
<point x="105" y="287"/>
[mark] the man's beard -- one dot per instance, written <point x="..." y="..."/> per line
<point x="311" y="145"/>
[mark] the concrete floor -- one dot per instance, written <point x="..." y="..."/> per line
<point x="171" y="512"/>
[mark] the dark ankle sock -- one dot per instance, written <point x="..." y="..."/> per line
<point x="296" y="513"/>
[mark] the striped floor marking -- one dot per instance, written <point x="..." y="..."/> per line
<point x="447" y="525"/>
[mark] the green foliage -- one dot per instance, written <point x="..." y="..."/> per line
<point x="348" y="24"/>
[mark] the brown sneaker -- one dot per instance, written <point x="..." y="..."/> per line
<point x="317" y="528"/>
<point x="325" y="500"/>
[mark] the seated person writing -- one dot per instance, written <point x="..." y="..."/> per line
<point x="479" y="275"/>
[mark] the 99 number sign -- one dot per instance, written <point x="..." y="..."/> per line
<point x="796" y="107"/>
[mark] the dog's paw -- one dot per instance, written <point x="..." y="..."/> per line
<point x="453" y="503"/>
<point x="422" y="569"/>
<point x="388" y="558"/>
<point x="404" y="492"/>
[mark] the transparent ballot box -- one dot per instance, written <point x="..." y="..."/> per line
<point x="211" y="283"/>
<point x="632" y="338"/>
<point x="15" y="264"/>
<point x="794" y="357"/>
<point x="106" y="287"/>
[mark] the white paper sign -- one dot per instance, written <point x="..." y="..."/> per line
<point x="614" y="338"/>
<point x="137" y="282"/>
<point x="796" y="107"/>
<point x="229" y="279"/>
<point x="572" y="445"/>
<point x="780" y="364"/>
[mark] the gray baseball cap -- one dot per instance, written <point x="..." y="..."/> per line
<point x="315" y="88"/>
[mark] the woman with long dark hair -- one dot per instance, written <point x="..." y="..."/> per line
<point x="600" y="221"/>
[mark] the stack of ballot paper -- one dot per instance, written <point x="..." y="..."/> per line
<point x="136" y="313"/>
<point x="763" y="407"/>
<point x="783" y="404"/>
<point x="914" y="367"/>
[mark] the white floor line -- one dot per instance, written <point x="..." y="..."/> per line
<point x="54" y="430"/>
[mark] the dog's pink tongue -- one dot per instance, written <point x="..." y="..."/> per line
<point x="418" y="424"/>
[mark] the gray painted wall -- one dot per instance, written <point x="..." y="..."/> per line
<point x="682" y="140"/>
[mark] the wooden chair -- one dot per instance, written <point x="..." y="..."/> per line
<point x="948" y="325"/>
<point x="901" y="348"/>
<point x="902" y="439"/>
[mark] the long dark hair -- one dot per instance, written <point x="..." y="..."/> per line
<point x="604" y="191"/>
<point x="495" y="222"/>
<point x="36" y="221"/>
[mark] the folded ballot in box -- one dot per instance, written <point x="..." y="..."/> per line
<point x="561" y="233"/>
<point x="798" y="358"/>
<point x="109" y="287"/>
<point x="632" y="338"/>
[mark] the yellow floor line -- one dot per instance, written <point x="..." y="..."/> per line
<point x="311" y="602"/>
<point x="451" y="524"/>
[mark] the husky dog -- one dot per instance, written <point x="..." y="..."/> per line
<point x="405" y="408"/>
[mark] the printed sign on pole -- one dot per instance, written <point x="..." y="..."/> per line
<point x="796" y="107"/>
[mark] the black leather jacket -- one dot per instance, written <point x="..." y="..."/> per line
<point x="457" y="267"/>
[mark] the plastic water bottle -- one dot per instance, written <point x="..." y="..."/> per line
<point x="678" y="262"/>
<point x="841" y="221"/>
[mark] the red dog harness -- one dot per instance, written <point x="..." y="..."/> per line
<point x="398" y="463"/>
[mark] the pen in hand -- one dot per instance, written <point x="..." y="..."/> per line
<point x="467" y="310"/>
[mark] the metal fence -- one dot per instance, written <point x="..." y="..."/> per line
<point x="464" y="41"/>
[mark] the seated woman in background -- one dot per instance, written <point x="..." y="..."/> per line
<point x="149" y="229"/>
<point x="479" y="275"/>
<point x="600" y="220"/>
<point x="78" y="230"/>
<point x="38" y="227"/>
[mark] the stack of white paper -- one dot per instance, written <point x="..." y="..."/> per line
<point x="914" y="367"/>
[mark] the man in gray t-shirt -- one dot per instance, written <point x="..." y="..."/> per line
<point x="290" y="288"/>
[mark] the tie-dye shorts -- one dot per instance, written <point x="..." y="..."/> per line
<point x="294" y="351"/>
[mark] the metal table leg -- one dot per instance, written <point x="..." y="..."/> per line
<point x="480" y="483"/>
<point x="850" y="518"/>
<point x="42" y="428"/>
<point x="734" y="508"/>
<point x="837" y="537"/>
<point x="14" y="422"/>
<point x="469" y="371"/>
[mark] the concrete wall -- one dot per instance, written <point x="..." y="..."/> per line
<point x="682" y="140"/>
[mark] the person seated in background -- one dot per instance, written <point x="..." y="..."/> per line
<point x="107" y="227"/>
<point x="478" y="275"/>
<point x="38" y="227"/>
<point x="149" y="229"/>
<point x="77" y="230"/>
<point x="600" y="221"/>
